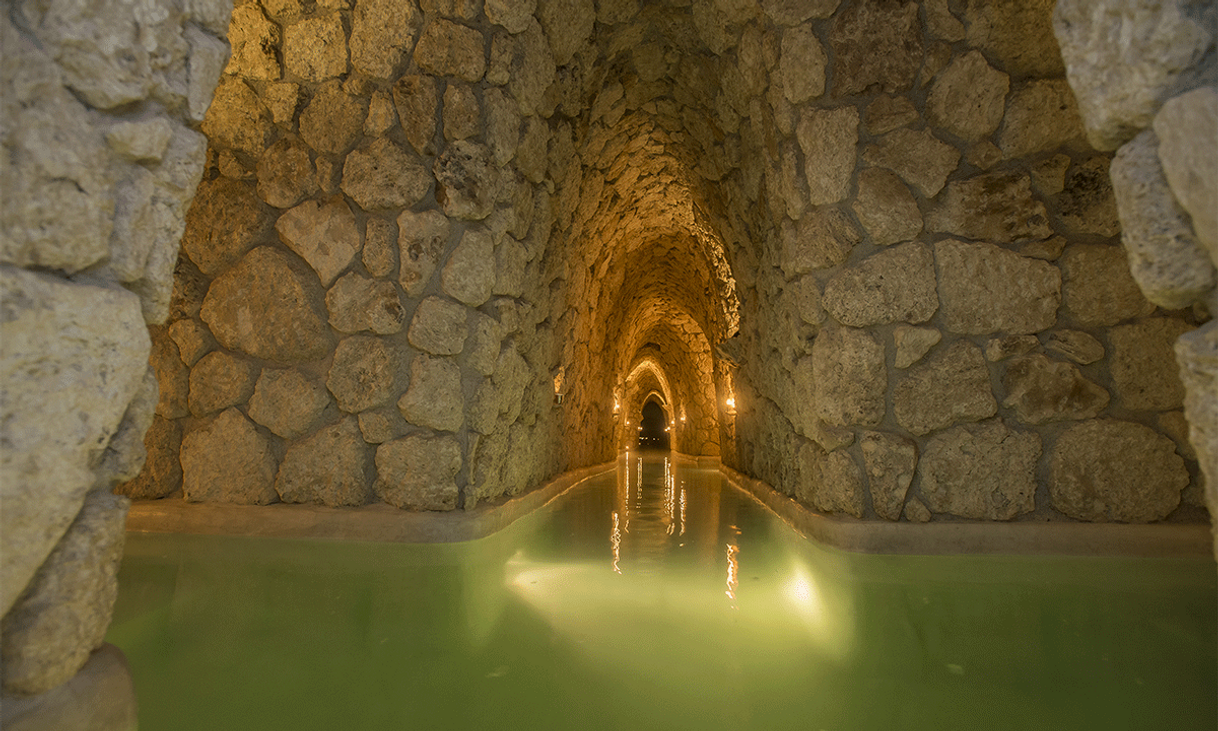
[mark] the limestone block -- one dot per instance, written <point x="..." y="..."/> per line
<point x="1076" y="345"/>
<point x="380" y="247"/>
<point x="434" y="398"/>
<point x="511" y="258"/>
<point x="983" y="471"/>
<point x="74" y="356"/>
<point x="364" y="374"/>
<point x="1174" y="425"/>
<point x="285" y="173"/>
<point x="1143" y="363"/>
<point x="236" y="119"/>
<point x="381" y="114"/>
<point x="968" y="97"/>
<point x="469" y="275"/>
<point x="1041" y="115"/>
<point x="1018" y="35"/>
<point x="330" y="467"/>
<point x="140" y="141"/>
<point x="193" y="340"/>
<point x="462" y="112"/>
<point x="916" y="511"/>
<point x="514" y="15"/>
<point x="382" y="425"/>
<point x="1170" y="266"/>
<point x="1108" y="470"/>
<point x="225" y="221"/>
<point x="1097" y="288"/>
<point x="951" y="387"/>
<point x="123" y="457"/>
<point x="173" y="378"/>
<point x="532" y="69"/>
<point x="1048" y="250"/>
<point x="920" y="158"/>
<point x="886" y="208"/>
<point x="63" y="614"/>
<point x="788" y="179"/>
<point x="894" y="285"/>
<point x="467" y="182"/>
<point x="1197" y="354"/>
<point x="485" y="339"/>
<point x="1049" y="175"/>
<point x="449" y="49"/>
<point x="417" y="98"/>
<point x="996" y="207"/>
<point x="531" y="152"/>
<point x="839" y="485"/>
<point x="890" y="461"/>
<point x="802" y="65"/>
<point x="269" y="307"/>
<point x="567" y="23"/>
<point x="333" y="121"/>
<point x="208" y="55"/>
<point x="911" y="343"/>
<point x="219" y="381"/>
<point x="254" y="40"/>
<point x="419" y="472"/>
<point x="999" y="349"/>
<point x="382" y="33"/>
<point x="888" y="113"/>
<point x="422" y="239"/>
<point x="228" y="461"/>
<point x="850" y="375"/>
<point x="941" y="22"/>
<point x="1124" y="59"/>
<point x="315" y="49"/>
<point x="984" y="288"/>
<point x="384" y="176"/>
<point x="482" y="413"/>
<point x="162" y="472"/>
<point x="287" y="401"/>
<point x="876" y="46"/>
<point x="502" y="125"/>
<point x="828" y="139"/>
<point x="794" y="12"/>
<point x="1042" y="391"/>
<point x="1189" y="165"/>
<point x="323" y="234"/>
<point x="1086" y="204"/>
<point x="358" y="304"/>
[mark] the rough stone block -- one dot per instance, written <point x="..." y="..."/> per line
<point x="968" y="97"/>
<point x="228" y="461"/>
<point x="315" y="49"/>
<point x="886" y="208"/>
<point x="984" y="288"/>
<point x="330" y="467"/>
<point x="876" y="45"/>
<point x="896" y="285"/>
<point x="422" y="239"/>
<point x="364" y="374"/>
<point x="162" y="472"/>
<point x="467" y="181"/>
<point x="1097" y="288"/>
<point x="890" y="461"/>
<point x="219" y="381"/>
<point x="417" y="98"/>
<point x="418" y="472"/>
<point x="920" y="158"/>
<point x="384" y="176"/>
<point x="995" y="207"/>
<point x="1143" y="363"/>
<point x="333" y="121"/>
<point x="828" y="139"/>
<point x="802" y="64"/>
<point x="1076" y="345"/>
<point x="1042" y="391"/>
<point x="1041" y="115"/>
<point x="953" y="386"/>
<point x="850" y="375"/>
<point x="821" y="239"/>
<point x="439" y="327"/>
<point x="449" y="49"/>
<point x="1191" y="167"/>
<point x="382" y="33"/>
<point x="225" y="221"/>
<point x="287" y="402"/>
<point x="434" y="399"/>
<point x="358" y="304"/>
<point x="911" y="343"/>
<point x="983" y="471"/>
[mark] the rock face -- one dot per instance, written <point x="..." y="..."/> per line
<point x="1098" y="290"/>
<point x="418" y="472"/>
<point x="893" y="286"/>
<point x="467" y="182"/>
<point x="1192" y="169"/>
<point x="225" y="221"/>
<point x="1041" y="115"/>
<point x="1108" y="470"/>
<point x="422" y="239"/>
<point x="828" y="139"/>
<point x="357" y="304"/>
<point x="876" y="45"/>
<point x="967" y="97"/>
<point x="995" y="207"/>
<point x="823" y="238"/>
<point x="984" y="288"/>
<point x="980" y="471"/>
<point x="886" y="208"/>
<point x="439" y="327"/>
<point x="219" y="381"/>
<point x="162" y="472"/>
<point x="890" y="460"/>
<point x="951" y="387"/>
<point x="434" y="398"/>
<point x="839" y="485"/>
<point x="365" y="373"/>
<point x="1144" y="365"/>
<point x="1041" y="390"/>
<point x="469" y="275"/>
<point x="920" y="158"/>
<point x="287" y="402"/>
<point x="228" y="461"/>
<point x="384" y="176"/>
<point x="330" y="467"/>
<point x="850" y="376"/>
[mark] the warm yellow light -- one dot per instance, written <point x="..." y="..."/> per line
<point x="731" y="402"/>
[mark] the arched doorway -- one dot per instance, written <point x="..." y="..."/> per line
<point x="654" y="430"/>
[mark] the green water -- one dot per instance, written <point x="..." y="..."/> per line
<point x="657" y="597"/>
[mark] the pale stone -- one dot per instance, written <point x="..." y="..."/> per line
<point x="567" y="23"/>
<point x="951" y="387"/>
<point x="462" y="112"/>
<point x="1041" y="115"/>
<point x="330" y="467"/>
<point x="1018" y="35"/>
<point x="382" y="425"/>
<point x="911" y="343"/>
<point x="888" y="113"/>
<point x="365" y="373"/>
<point x="532" y="69"/>
<point x="357" y="304"/>
<point x="254" y="40"/>
<point x="380" y="247"/>
<point x="822" y="239"/>
<point x="449" y="49"/>
<point x="384" y="176"/>
<point x="287" y="402"/>
<point x="173" y="379"/>
<point x="1125" y="59"/>
<point x="896" y="285"/>
<point x="1108" y="470"/>
<point x="999" y="349"/>
<point x="514" y="15"/>
<point x="1049" y="175"/>
<point x="417" y="98"/>
<point x="141" y="141"/>
<point x="74" y="356"/>
<point x="382" y="33"/>
<point x="1076" y="345"/>
<point x="434" y="398"/>
<point x="807" y="300"/>
<point x="381" y="115"/>
<point x="1192" y="167"/>
<point x="281" y="100"/>
<point x="236" y="118"/>
<point x="1097" y="289"/>
<point x="193" y="340"/>
<point x="1170" y="266"/>
<point x="419" y="472"/>
<point x="1144" y="365"/>
<point x="1086" y="204"/>
<point x="208" y="55"/>
<point x="802" y="68"/>
<point x="228" y="461"/>
<point x="219" y="381"/>
<point x="1042" y="391"/>
<point x="511" y="258"/>
<point x="439" y="327"/>
<point x="984" y="288"/>
<point x="284" y="173"/>
<point x="967" y="98"/>
<point x="469" y="274"/>
<point x="268" y="307"/>
<point x="916" y="511"/>
<point x="422" y="239"/>
<point x="890" y="460"/>
<point x="485" y="339"/>
<point x="315" y="49"/>
<point x="850" y="376"/>
<point x="225" y="221"/>
<point x="502" y="125"/>
<point x="1197" y="354"/>
<point x="1174" y="425"/>
<point x="838" y="485"/>
<point x="886" y="208"/>
<point x="876" y="46"/>
<point x="333" y="121"/>
<point x="467" y="182"/>
<point x="123" y="458"/>
<point x="921" y="159"/>
<point x="63" y="614"/>
<point x="980" y="471"/>
<point x="828" y="139"/>
<point x="324" y="235"/>
<point x="995" y="207"/>
<point x="162" y="471"/>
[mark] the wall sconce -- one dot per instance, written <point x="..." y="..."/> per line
<point x="731" y="405"/>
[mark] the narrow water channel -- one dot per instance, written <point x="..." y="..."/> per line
<point x="657" y="596"/>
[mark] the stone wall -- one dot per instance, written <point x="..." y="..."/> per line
<point x="101" y="157"/>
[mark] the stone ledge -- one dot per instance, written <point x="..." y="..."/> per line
<point x="101" y="697"/>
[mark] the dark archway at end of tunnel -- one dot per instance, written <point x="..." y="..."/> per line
<point x="653" y="429"/>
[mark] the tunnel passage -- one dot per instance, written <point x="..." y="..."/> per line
<point x="654" y="426"/>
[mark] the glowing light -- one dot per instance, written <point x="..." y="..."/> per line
<point x="615" y="542"/>
<point x="731" y="402"/>
<point x="682" y="518"/>
<point x="733" y="572"/>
